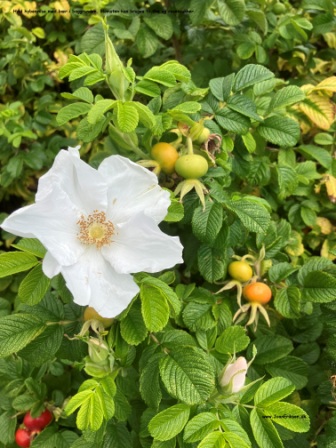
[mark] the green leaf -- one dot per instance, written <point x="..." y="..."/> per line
<point x="200" y="426"/>
<point x="99" y="109"/>
<point x="264" y="431"/>
<point x="7" y="427"/>
<point x="14" y="262"/>
<point x="198" y="316"/>
<point x="187" y="375"/>
<point x="127" y="116"/>
<point x="132" y="327"/>
<point x="83" y="93"/>
<point x="180" y="72"/>
<point x="251" y="74"/>
<point x="289" y="416"/>
<point x="88" y="132"/>
<point x="170" y="422"/>
<point x="150" y="381"/>
<point x="154" y="306"/>
<point x="272" y="391"/>
<point x="117" y="436"/>
<point x="288" y="302"/>
<point x="188" y="107"/>
<point x="280" y="130"/>
<point x="93" y="40"/>
<point x="235" y="440"/>
<point x="72" y="111"/>
<point x="270" y="348"/>
<point x="17" y="330"/>
<point x="292" y="368"/>
<point x="146" y="116"/>
<point x="233" y="428"/>
<point x="44" y="347"/>
<point x="253" y="216"/>
<point x="147" y="42"/>
<point x="213" y="440"/>
<point x="80" y="72"/>
<point x="231" y="11"/>
<point x="161" y="76"/>
<point x="312" y="265"/>
<point x="166" y="292"/>
<point x="286" y="97"/>
<point x="221" y="87"/>
<point x="249" y="142"/>
<point x="232" y="121"/>
<point x="319" y="287"/>
<point x="211" y="262"/>
<point x="34" y="286"/>
<point x="207" y="223"/>
<point x="32" y="246"/>
<point x="244" y="105"/>
<point x="232" y="340"/>
<point x="161" y="25"/>
<point x="287" y="180"/>
<point x="320" y="154"/>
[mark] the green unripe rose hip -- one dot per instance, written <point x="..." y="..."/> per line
<point x="191" y="166"/>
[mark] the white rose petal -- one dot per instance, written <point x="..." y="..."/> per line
<point x="99" y="227"/>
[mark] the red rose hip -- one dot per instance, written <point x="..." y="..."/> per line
<point x="22" y="437"/>
<point x="39" y="422"/>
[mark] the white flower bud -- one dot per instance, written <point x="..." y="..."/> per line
<point x="234" y="375"/>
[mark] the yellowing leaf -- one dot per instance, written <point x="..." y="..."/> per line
<point x="327" y="84"/>
<point x="330" y="183"/>
<point x="320" y="110"/>
<point x="29" y="6"/>
<point x="330" y="38"/>
<point x="325" y="224"/>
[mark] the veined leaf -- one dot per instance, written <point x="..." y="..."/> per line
<point x="127" y="116"/>
<point x="17" y="330"/>
<point x="170" y="422"/>
<point x="232" y="11"/>
<point x="320" y="110"/>
<point x="187" y="375"/>
<point x="285" y="97"/>
<point x="264" y="431"/>
<point x="289" y="416"/>
<point x="14" y="262"/>
<point x="280" y="130"/>
<point x="199" y="426"/>
<point x="68" y="113"/>
<point x="34" y="286"/>
<point x="251" y="74"/>
<point x="272" y="391"/>
<point x="99" y="109"/>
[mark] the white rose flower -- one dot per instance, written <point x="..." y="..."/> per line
<point x="99" y="227"/>
<point x="234" y="375"/>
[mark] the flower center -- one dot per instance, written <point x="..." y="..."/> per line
<point x="95" y="229"/>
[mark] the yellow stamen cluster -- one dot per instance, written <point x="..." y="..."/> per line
<point x="95" y="229"/>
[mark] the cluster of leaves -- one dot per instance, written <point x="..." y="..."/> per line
<point x="271" y="190"/>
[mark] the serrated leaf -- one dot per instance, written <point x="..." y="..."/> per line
<point x="83" y="93"/>
<point x="251" y="74"/>
<point x="17" y="330"/>
<point x="287" y="180"/>
<point x="8" y="424"/>
<point x="161" y="76"/>
<point x="272" y="391"/>
<point x="199" y="426"/>
<point x="146" y="116"/>
<point x="148" y="88"/>
<point x="44" y="347"/>
<point x="232" y="121"/>
<point x="180" y="72"/>
<point x="231" y="11"/>
<point x="320" y="154"/>
<point x="320" y="110"/>
<point x="270" y="348"/>
<point x="154" y="306"/>
<point x="253" y="216"/>
<point x="232" y="340"/>
<point x="87" y="131"/>
<point x="287" y="302"/>
<point x="146" y="41"/>
<point x="34" y="286"/>
<point x="32" y="246"/>
<point x="187" y="375"/>
<point x="14" y="262"/>
<point x="231" y="427"/>
<point x="280" y="130"/>
<point x="244" y="105"/>
<point x="285" y="97"/>
<point x="264" y="431"/>
<point x="289" y="416"/>
<point x="211" y="263"/>
<point x="188" y="107"/>
<point x="150" y="381"/>
<point x="319" y="287"/>
<point x="292" y="368"/>
<point x="198" y="316"/>
<point x="215" y="439"/>
<point x="166" y="291"/>
<point x="132" y="327"/>
<point x="161" y="25"/>
<point x="99" y="109"/>
<point x="221" y="87"/>
<point x="117" y="435"/>
<point x="207" y="223"/>
<point x="93" y="41"/>
<point x="170" y="422"/>
<point x="80" y="72"/>
<point x="72" y="111"/>
<point x="127" y="116"/>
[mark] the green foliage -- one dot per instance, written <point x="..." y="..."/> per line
<point x="257" y="76"/>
